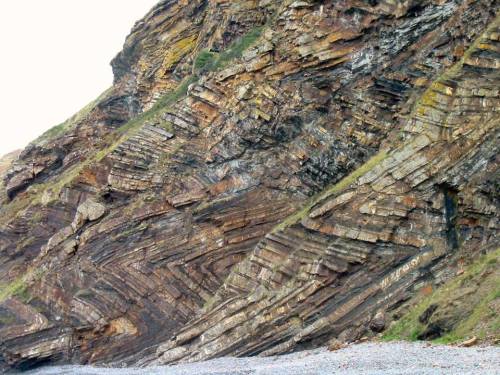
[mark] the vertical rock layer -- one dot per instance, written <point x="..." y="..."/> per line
<point x="262" y="176"/>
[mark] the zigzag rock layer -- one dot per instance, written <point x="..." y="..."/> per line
<point x="262" y="177"/>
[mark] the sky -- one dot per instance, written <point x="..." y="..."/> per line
<point x="54" y="60"/>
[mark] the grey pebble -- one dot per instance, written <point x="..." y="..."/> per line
<point x="364" y="359"/>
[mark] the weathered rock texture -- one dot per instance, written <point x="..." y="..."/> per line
<point x="7" y="160"/>
<point x="463" y="310"/>
<point x="262" y="177"/>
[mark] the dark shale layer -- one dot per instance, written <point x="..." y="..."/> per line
<point x="263" y="176"/>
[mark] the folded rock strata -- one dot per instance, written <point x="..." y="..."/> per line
<point x="263" y="176"/>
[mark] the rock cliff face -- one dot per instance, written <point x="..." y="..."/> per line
<point x="6" y="162"/>
<point x="263" y="176"/>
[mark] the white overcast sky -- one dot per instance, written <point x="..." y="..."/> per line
<point x="54" y="59"/>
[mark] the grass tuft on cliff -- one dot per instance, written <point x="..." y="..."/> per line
<point x="333" y="190"/>
<point x="72" y="121"/>
<point x="19" y="287"/>
<point x="240" y="45"/>
<point x="464" y="307"/>
<point x="16" y="288"/>
<point x="208" y="61"/>
<point x="204" y="62"/>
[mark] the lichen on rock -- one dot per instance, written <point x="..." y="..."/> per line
<point x="263" y="177"/>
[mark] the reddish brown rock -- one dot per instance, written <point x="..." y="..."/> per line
<point x="262" y="177"/>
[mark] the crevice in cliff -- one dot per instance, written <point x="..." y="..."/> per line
<point x="450" y="206"/>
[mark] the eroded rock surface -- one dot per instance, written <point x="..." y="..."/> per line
<point x="263" y="176"/>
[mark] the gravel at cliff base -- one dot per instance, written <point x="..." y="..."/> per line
<point x="367" y="358"/>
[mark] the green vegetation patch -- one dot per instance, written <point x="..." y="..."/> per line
<point x="332" y="190"/>
<point x="7" y="320"/>
<point x="72" y="121"/>
<point x="205" y="61"/>
<point x="466" y="301"/>
<point x="159" y="107"/>
<point x="17" y="287"/>
<point x="240" y="45"/>
<point x="208" y="61"/>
